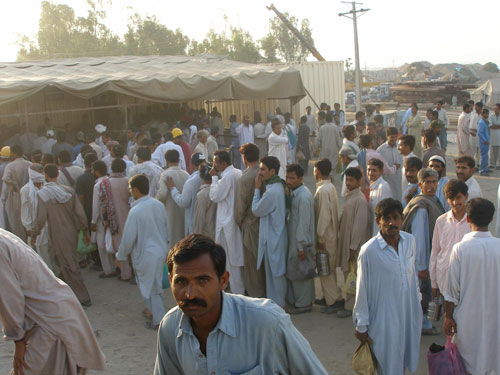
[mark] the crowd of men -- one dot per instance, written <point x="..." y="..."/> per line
<point x="404" y="230"/>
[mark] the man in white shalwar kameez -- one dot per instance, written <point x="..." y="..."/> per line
<point x="387" y="307"/>
<point x="146" y="167"/>
<point x="175" y="213"/>
<point x="42" y="315"/>
<point x="158" y="155"/>
<point x="473" y="296"/>
<point x="379" y="189"/>
<point x="146" y="240"/>
<point x="329" y="141"/>
<point x="29" y="203"/>
<point x="187" y="198"/>
<point x="278" y="145"/>
<point x="270" y="207"/>
<point x="463" y="134"/>
<point x="389" y="150"/>
<point x="227" y="232"/>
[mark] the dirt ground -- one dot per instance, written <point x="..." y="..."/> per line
<point x="131" y="349"/>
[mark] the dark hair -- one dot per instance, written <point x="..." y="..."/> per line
<point x="408" y="140"/>
<point x="205" y="173"/>
<point x="348" y="130"/>
<point x="466" y="159"/>
<point x="379" y="119"/>
<point x="143" y="153"/>
<point x="193" y="247"/>
<point x="197" y="159"/>
<point x="359" y="114"/>
<point x="275" y="122"/>
<point x="140" y="182"/>
<point x="271" y="162"/>
<point x="414" y="105"/>
<point x="61" y="136"/>
<point x="232" y="118"/>
<point x="36" y="155"/>
<point x="329" y="117"/>
<point x="324" y="166"/>
<point x="17" y="149"/>
<point x="321" y="115"/>
<point x="100" y="166"/>
<point x="430" y="136"/>
<point x="454" y="187"/>
<point x="303" y="119"/>
<point x="223" y="156"/>
<point x="172" y="156"/>
<point x="251" y="152"/>
<point x="257" y="117"/>
<point x="435" y="113"/>
<point x="299" y="171"/>
<point x="90" y="157"/>
<point x="480" y="211"/>
<point x="485" y="111"/>
<point x="86" y="149"/>
<point x="118" y="166"/>
<point x="48" y="158"/>
<point x="353" y="172"/>
<point x="365" y="140"/>
<point x="479" y="104"/>
<point x="146" y="142"/>
<point x="387" y="206"/>
<point x="214" y="130"/>
<point x="371" y="124"/>
<point x="118" y="151"/>
<point x="64" y="156"/>
<point x="51" y="170"/>
<point x="376" y="163"/>
<point x="413" y="162"/>
<point x="391" y="131"/>
<point x="465" y="106"/>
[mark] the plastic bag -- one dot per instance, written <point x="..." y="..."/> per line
<point x="108" y="242"/>
<point x="363" y="360"/>
<point x="350" y="281"/>
<point x="82" y="248"/>
<point x="300" y="155"/>
<point x="448" y="361"/>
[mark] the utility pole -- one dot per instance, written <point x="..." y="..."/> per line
<point x="353" y="15"/>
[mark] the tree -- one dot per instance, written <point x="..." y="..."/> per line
<point x="288" y="46"/>
<point x="149" y="37"/>
<point x="491" y="67"/>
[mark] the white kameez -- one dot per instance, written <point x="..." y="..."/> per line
<point x="278" y="145"/>
<point x="463" y="135"/>
<point x="379" y="190"/>
<point x="388" y="303"/>
<point x="474" y="288"/>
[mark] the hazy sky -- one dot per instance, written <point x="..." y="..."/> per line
<point x="391" y="33"/>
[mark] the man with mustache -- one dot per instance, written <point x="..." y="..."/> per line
<point x="387" y="308"/>
<point x="465" y="167"/>
<point x="212" y="332"/>
<point x="420" y="217"/>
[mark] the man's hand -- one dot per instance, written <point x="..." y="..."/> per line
<point x="302" y="255"/>
<point x="449" y="326"/>
<point x="169" y="181"/>
<point x="93" y="227"/>
<point x="361" y="336"/>
<point x="320" y="246"/>
<point x="19" y="363"/>
<point x="258" y="181"/>
<point x="213" y="172"/>
<point x="118" y="264"/>
<point x="397" y="165"/>
<point x="435" y="292"/>
<point x="423" y="275"/>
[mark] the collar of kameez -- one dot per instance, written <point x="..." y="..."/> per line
<point x="451" y="218"/>
<point x="323" y="182"/>
<point x="375" y="183"/>
<point x="117" y="175"/>
<point x="382" y="242"/>
<point x="226" y="321"/>
<point x="138" y="201"/>
<point x="477" y="234"/>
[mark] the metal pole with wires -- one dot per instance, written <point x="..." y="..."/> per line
<point x="352" y="14"/>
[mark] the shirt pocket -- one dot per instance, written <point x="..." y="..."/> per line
<point x="257" y="370"/>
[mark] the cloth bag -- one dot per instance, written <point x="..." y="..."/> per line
<point x="350" y="282"/>
<point x="445" y="360"/>
<point x="108" y="242"/>
<point x="363" y="360"/>
<point x="299" y="270"/>
<point x="299" y="156"/>
<point x="82" y="248"/>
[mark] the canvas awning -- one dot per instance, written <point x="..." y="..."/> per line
<point x="156" y="78"/>
<point x="488" y="93"/>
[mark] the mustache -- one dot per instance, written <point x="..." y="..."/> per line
<point x="393" y="227"/>
<point x="194" y="301"/>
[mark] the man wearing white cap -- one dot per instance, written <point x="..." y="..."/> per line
<point x="102" y="139"/>
<point x="29" y="204"/>
<point x="158" y="155"/>
<point x="439" y="165"/>
<point x="47" y="146"/>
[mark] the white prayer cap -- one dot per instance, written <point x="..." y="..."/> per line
<point x="347" y="151"/>
<point x="36" y="176"/>
<point x="100" y="128"/>
<point x="438" y="158"/>
<point x="50" y="133"/>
